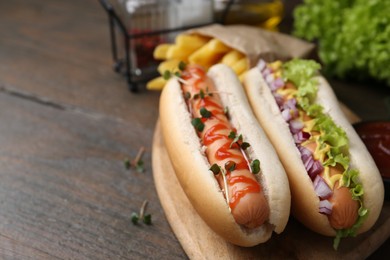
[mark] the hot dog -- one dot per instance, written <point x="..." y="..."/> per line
<point x="222" y="158"/>
<point x="335" y="185"/>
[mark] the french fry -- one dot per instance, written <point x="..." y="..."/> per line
<point x="156" y="84"/>
<point x="185" y="45"/>
<point x="192" y="41"/>
<point x="170" y="65"/>
<point x="196" y="49"/>
<point x="160" y="52"/>
<point x="209" y="54"/>
<point x="231" y="57"/>
<point x="240" y="66"/>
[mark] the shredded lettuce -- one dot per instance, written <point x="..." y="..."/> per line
<point x="337" y="159"/>
<point x="314" y="110"/>
<point x="301" y="72"/>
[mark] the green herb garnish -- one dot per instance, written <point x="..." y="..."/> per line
<point x="167" y="75"/>
<point x="230" y="166"/>
<point x="187" y="95"/>
<point x="147" y="219"/>
<point x="215" y="169"/>
<point x="137" y="163"/>
<point x="127" y="163"/>
<point x="232" y="135"/>
<point x="134" y="218"/>
<point x="236" y="138"/>
<point x="255" y="166"/>
<point x="205" y="113"/>
<point x="199" y="95"/>
<point x="198" y="124"/>
<point x="245" y="145"/>
<point x="226" y="112"/>
<point x="182" y="65"/>
<point x="139" y="166"/>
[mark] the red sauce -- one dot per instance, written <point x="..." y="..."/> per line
<point x="207" y="102"/>
<point x="242" y="165"/>
<point x="376" y="137"/>
<point x="211" y="134"/>
<point x="216" y="130"/>
<point x="252" y="187"/>
<point x="225" y="152"/>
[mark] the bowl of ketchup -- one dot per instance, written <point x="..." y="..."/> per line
<point x="376" y="136"/>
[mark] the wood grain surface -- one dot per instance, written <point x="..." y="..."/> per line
<point x="67" y="121"/>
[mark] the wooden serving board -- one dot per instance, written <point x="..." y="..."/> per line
<point x="297" y="242"/>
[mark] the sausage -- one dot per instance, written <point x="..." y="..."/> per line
<point x="344" y="207"/>
<point x="246" y="197"/>
<point x="344" y="211"/>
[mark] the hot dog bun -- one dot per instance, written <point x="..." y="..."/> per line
<point x="304" y="199"/>
<point x="192" y="167"/>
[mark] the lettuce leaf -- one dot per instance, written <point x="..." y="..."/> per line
<point x="301" y="72"/>
<point x="353" y="35"/>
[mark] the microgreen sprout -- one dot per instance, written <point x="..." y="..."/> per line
<point x="205" y="113"/>
<point x="255" y="166"/>
<point x="198" y="124"/>
<point x="230" y="166"/>
<point x="147" y="219"/>
<point x="137" y="163"/>
<point x="215" y="169"/>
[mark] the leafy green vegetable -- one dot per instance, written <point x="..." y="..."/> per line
<point x="353" y="35"/>
<point x="301" y="72"/>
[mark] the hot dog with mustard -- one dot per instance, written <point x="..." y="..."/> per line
<point x="335" y="185"/>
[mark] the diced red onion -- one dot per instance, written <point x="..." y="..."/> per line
<point x="290" y="103"/>
<point x="308" y="163"/>
<point x="278" y="83"/>
<point x="286" y="114"/>
<point x="321" y="188"/>
<point x="325" y="207"/>
<point x="294" y="113"/>
<point x="266" y="72"/>
<point x="279" y="99"/>
<point x="301" y="137"/>
<point x="261" y="65"/>
<point x="305" y="153"/>
<point x="272" y="85"/>
<point x="270" y="79"/>
<point x="316" y="169"/>
<point x="296" y="126"/>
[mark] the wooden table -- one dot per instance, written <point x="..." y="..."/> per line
<point x="67" y="122"/>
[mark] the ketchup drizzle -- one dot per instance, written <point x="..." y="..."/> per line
<point x="196" y="80"/>
<point x="252" y="187"/>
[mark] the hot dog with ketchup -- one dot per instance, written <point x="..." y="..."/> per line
<point x="335" y="185"/>
<point x="222" y="158"/>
